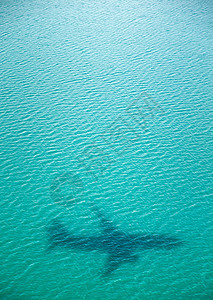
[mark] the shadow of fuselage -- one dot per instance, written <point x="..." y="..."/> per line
<point x="119" y="246"/>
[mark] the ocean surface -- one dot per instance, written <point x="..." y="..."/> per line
<point x="106" y="103"/>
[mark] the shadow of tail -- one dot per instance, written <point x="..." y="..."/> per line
<point x="57" y="234"/>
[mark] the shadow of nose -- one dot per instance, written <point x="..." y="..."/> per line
<point x="175" y="243"/>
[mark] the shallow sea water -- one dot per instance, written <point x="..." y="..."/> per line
<point x="106" y="103"/>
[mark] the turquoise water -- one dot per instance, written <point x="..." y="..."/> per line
<point x="106" y="102"/>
